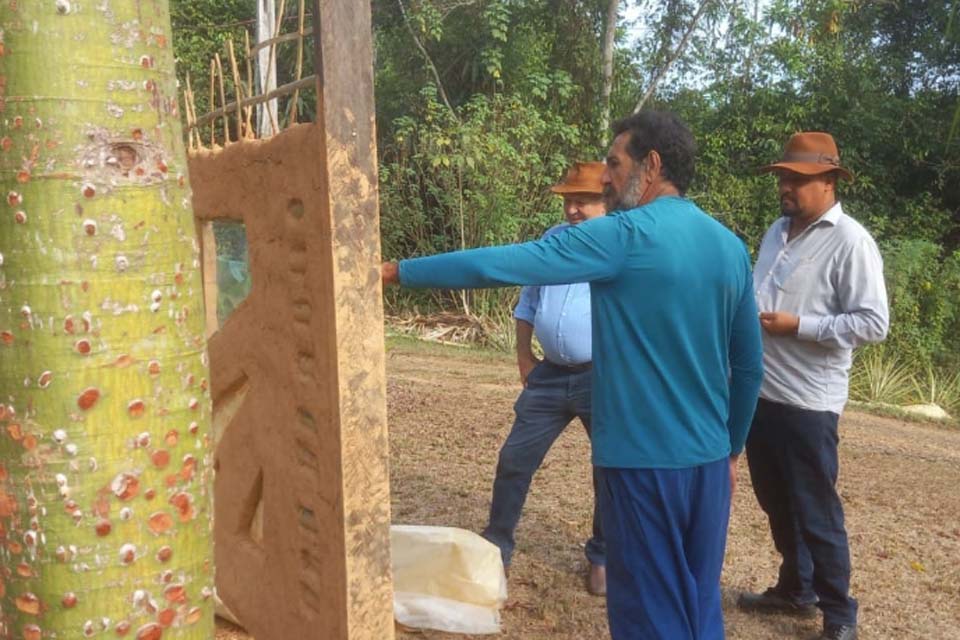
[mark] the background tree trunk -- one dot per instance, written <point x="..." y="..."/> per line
<point x="681" y="46"/>
<point x="104" y="445"/>
<point x="609" y="40"/>
<point x="266" y="68"/>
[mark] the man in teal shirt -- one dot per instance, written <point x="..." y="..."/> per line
<point x="677" y="360"/>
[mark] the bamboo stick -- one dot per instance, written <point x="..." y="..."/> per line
<point x="196" y="129"/>
<point x="293" y="35"/>
<point x="237" y="85"/>
<point x="192" y="105"/>
<point x="292" y="117"/>
<point x="213" y="104"/>
<point x="279" y="91"/>
<point x="223" y="100"/>
<point x="253" y="90"/>
<point x="186" y="112"/>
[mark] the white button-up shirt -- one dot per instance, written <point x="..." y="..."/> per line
<point x="831" y="276"/>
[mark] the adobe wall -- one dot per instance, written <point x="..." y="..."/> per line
<point x="298" y="385"/>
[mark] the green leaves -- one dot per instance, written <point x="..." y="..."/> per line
<point x="496" y="15"/>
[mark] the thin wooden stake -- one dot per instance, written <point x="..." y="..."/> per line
<point x="292" y="117"/>
<point x="223" y="100"/>
<point x="196" y="127"/>
<point x="213" y="105"/>
<point x="249" y="117"/>
<point x="192" y="108"/>
<point x="186" y="112"/>
<point x="237" y="85"/>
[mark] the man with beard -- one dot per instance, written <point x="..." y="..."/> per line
<point x="820" y="290"/>
<point x="677" y="366"/>
<point x="557" y="388"/>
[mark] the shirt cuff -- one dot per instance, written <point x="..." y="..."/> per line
<point x="526" y="315"/>
<point x="809" y="328"/>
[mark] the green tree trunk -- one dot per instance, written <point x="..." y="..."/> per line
<point x="105" y="480"/>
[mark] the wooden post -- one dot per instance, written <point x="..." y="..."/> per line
<point x="346" y="116"/>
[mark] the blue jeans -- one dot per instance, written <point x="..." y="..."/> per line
<point x="666" y="533"/>
<point x="792" y="453"/>
<point x="551" y="400"/>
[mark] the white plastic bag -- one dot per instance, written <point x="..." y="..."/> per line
<point x="446" y="579"/>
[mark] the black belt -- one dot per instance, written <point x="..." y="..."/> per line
<point x="571" y="368"/>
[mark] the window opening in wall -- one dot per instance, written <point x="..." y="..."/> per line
<point x="233" y="266"/>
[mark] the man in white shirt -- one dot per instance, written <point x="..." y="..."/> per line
<point x="820" y="291"/>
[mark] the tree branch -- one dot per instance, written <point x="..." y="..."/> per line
<point x="673" y="58"/>
<point x="429" y="61"/>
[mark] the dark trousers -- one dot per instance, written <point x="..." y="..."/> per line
<point x="552" y="398"/>
<point x="792" y="454"/>
<point x="666" y="533"/>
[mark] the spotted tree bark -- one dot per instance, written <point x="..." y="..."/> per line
<point x="104" y="413"/>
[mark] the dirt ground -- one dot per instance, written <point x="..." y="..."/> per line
<point x="450" y="409"/>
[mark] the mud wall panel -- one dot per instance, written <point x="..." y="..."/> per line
<point x="299" y="368"/>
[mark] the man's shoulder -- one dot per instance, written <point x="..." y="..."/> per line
<point x="724" y="234"/>
<point x="851" y="229"/>
<point x="555" y="229"/>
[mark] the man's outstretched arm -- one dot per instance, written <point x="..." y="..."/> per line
<point x="592" y="251"/>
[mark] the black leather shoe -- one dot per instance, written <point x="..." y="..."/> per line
<point x="772" y="601"/>
<point x="839" y="632"/>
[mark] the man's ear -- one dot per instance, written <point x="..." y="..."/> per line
<point x="654" y="162"/>
<point x="831" y="180"/>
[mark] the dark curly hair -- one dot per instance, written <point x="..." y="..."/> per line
<point x="669" y="136"/>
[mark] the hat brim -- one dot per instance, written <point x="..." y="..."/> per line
<point x="807" y="169"/>
<point x="564" y="189"/>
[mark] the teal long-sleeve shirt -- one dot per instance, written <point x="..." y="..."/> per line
<point x="677" y="355"/>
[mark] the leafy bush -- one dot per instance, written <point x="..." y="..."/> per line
<point x="879" y="377"/>
<point x="940" y="388"/>
<point x="479" y="177"/>
<point x="924" y="291"/>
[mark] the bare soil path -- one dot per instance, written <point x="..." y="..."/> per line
<point x="451" y="408"/>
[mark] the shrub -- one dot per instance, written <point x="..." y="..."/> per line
<point x="923" y="288"/>
<point x="881" y="377"/>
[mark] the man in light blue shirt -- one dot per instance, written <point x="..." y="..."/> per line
<point x="677" y="363"/>
<point x="556" y="389"/>
<point x="820" y="290"/>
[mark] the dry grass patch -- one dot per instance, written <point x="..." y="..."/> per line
<point x="451" y="408"/>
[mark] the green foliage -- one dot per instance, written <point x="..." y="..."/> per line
<point x="201" y="29"/>
<point x="924" y="292"/>
<point x="475" y="178"/>
<point x="523" y="79"/>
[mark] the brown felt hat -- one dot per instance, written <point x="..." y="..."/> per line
<point x="810" y="153"/>
<point x="582" y="177"/>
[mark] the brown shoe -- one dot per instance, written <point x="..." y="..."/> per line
<point x="597" y="580"/>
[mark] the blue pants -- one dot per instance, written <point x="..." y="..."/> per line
<point x="552" y="398"/>
<point x="666" y="532"/>
<point x="792" y="453"/>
